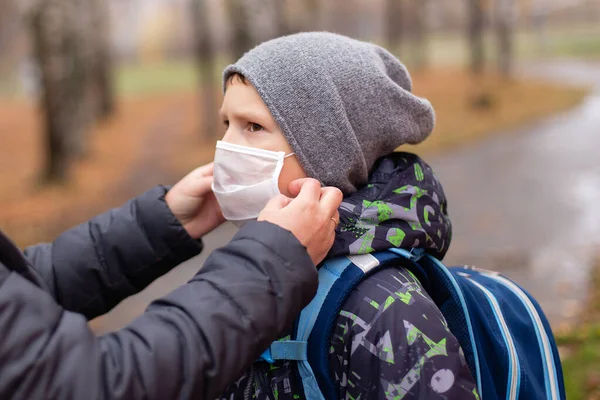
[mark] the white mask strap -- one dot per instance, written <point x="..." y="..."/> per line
<point x="251" y="150"/>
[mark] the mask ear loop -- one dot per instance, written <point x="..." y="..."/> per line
<point x="278" y="168"/>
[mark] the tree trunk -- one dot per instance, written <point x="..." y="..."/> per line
<point x="241" y="38"/>
<point x="504" y="36"/>
<point x="102" y="72"/>
<point x="476" y="32"/>
<point x="104" y="84"/>
<point x="9" y="20"/>
<point x="418" y="33"/>
<point x="205" y="58"/>
<point x="540" y="29"/>
<point x="312" y="15"/>
<point x="282" y="26"/>
<point x="393" y="31"/>
<point x="57" y="28"/>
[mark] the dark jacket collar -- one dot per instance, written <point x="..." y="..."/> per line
<point x="403" y="205"/>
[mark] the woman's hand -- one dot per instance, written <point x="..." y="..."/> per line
<point x="194" y="204"/>
<point x="312" y="216"/>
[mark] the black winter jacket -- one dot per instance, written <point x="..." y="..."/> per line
<point x="189" y="344"/>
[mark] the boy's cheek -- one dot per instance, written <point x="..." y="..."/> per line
<point x="291" y="171"/>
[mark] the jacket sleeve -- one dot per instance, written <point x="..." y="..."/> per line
<point x="188" y="345"/>
<point x="90" y="268"/>
<point x="391" y="341"/>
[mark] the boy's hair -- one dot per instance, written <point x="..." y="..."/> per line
<point x="239" y="77"/>
<point x="340" y="103"/>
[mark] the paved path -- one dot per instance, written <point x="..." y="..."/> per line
<point x="528" y="203"/>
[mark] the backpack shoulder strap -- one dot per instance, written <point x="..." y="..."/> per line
<point x="447" y="293"/>
<point x="337" y="278"/>
<point x="319" y="338"/>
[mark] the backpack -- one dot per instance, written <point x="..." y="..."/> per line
<point x="505" y="336"/>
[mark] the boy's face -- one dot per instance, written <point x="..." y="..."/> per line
<point x="249" y="123"/>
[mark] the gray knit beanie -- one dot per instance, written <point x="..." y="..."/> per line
<point x="340" y="102"/>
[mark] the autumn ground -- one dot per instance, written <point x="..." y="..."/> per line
<point x="152" y="139"/>
<point x="156" y="137"/>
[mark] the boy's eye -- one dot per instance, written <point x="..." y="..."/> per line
<point x="226" y="122"/>
<point x="252" y="127"/>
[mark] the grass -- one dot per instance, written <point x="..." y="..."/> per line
<point x="584" y="46"/>
<point x="8" y="88"/>
<point x="134" y="80"/>
<point x="581" y="41"/>
<point x="580" y="347"/>
<point x="142" y="80"/>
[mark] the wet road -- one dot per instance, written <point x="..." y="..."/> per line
<point x="526" y="203"/>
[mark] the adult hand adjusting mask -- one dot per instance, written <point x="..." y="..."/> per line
<point x="245" y="179"/>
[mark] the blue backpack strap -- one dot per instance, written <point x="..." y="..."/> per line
<point x="446" y="292"/>
<point x="319" y="339"/>
<point x="337" y="277"/>
<point x="329" y="273"/>
<point x="285" y="350"/>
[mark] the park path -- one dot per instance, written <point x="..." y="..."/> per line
<point x="528" y="203"/>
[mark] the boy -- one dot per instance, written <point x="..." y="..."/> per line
<point x="325" y="106"/>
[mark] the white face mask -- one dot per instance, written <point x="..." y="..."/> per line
<point x="245" y="179"/>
